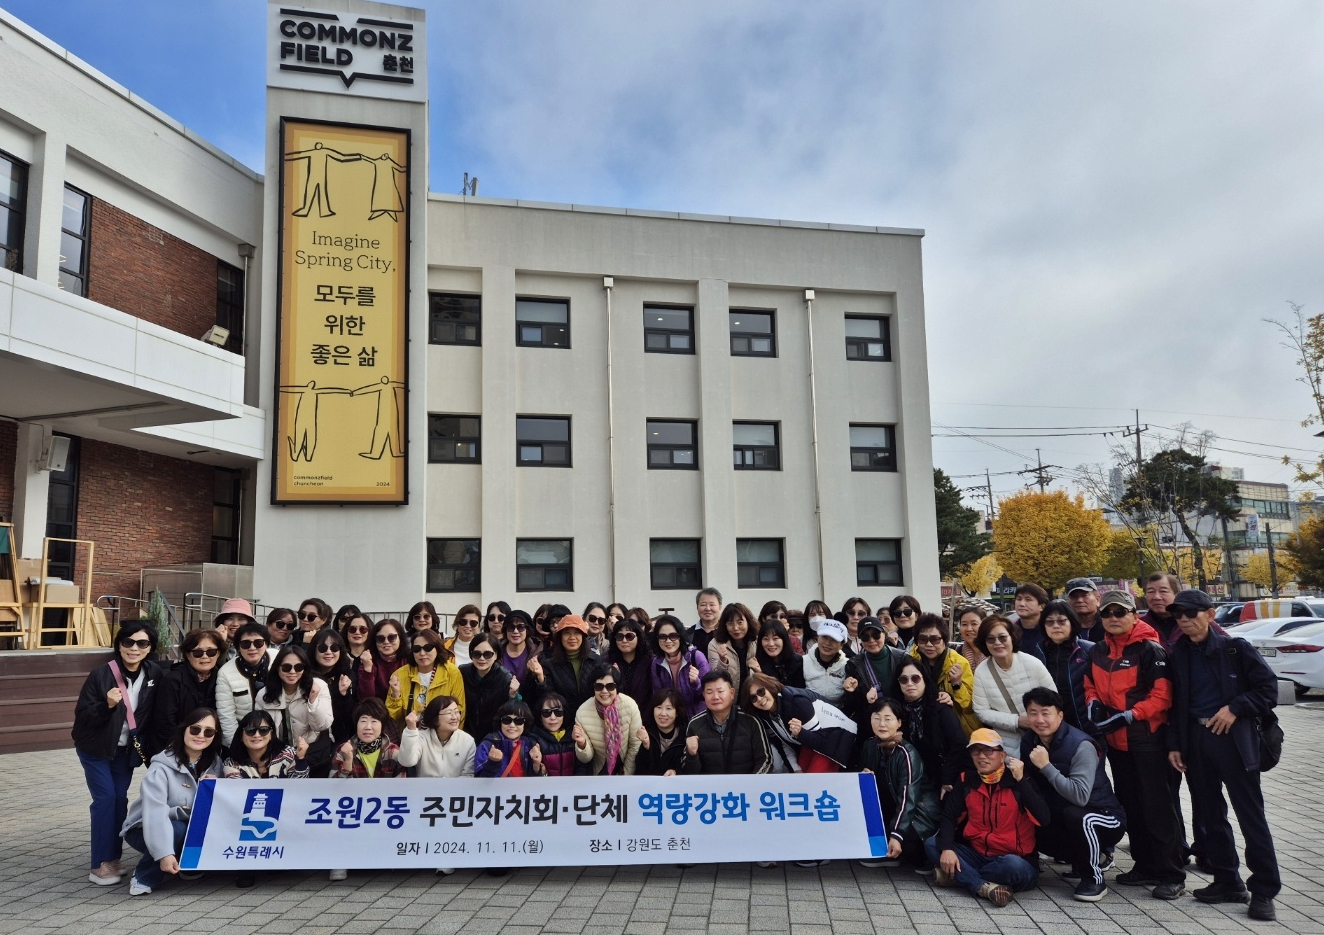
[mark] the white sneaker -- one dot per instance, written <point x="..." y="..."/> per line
<point x="445" y="871"/>
<point x="337" y="875"/>
<point x="138" y="888"/>
<point x="107" y="874"/>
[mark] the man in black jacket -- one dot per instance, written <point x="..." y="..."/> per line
<point x="724" y="739"/>
<point x="1221" y="687"/>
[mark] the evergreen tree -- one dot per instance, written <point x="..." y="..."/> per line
<point x="960" y="541"/>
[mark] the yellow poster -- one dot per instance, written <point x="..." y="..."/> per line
<point x="344" y="295"/>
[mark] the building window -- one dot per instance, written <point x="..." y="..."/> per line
<point x="757" y="446"/>
<point x="668" y="329"/>
<point x="872" y="448"/>
<point x="542" y="322"/>
<point x="753" y="334"/>
<point x="673" y="444"/>
<point x="759" y="563"/>
<point x="454" y="564"/>
<point x="225" y="500"/>
<point x="878" y="561"/>
<point x="542" y="441"/>
<point x="867" y="338"/>
<point x="230" y="305"/>
<point x="544" y="565"/>
<point x="13" y="208"/>
<point x="74" y="236"/>
<point x="455" y="319"/>
<point x="62" y="512"/>
<point x="674" y="563"/>
<point x="454" y="438"/>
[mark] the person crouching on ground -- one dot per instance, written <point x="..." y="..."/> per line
<point x="370" y="755"/>
<point x="908" y="795"/>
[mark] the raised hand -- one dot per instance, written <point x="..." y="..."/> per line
<point x="300" y="748"/>
<point x="395" y="685"/>
<point x="495" y="754"/>
<point x="849" y="684"/>
<point x="366" y="661"/>
<point x="411" y="720"/>
<point x="694" y="675"/>
<point x="535" y="755"/>
<point x="692" y="745"/>
<point x="642" y="734"/>
<point x="535" y="667"/>
<point x="581" y="738"/>
<point x="346" y="683"/>
<point x="514" y="686"/>
<point x="114" y="697"/>
<point x="794" y="726"/>
<point x="871" y="695"/>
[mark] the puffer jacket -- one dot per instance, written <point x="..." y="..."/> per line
<point x="995" y="819"/>
<point x="559" y="677"/>
<point x="654" y="761"/>
<point x="907" y="793"/>
<point x="740" y="748"/>
<point x="1130" y="673"/>
<point x="737" y="664"/>
<point x="300" y="716"/>
<point x="424" y="751"/>
<point x="595" y="729"/>
<point x="991" y="707"/>
<point x="690" y="692"/>
<point x="937" y="680"/>
<point x="283" y="765"/>
<point x="825" y="681"/>
<point x="483" y="697"/>
<point x="235" y="695"/>
<point x="97" y="726"/>
<point x="1067" y="663"/>
<point x="167" y="793"/>
<point x="487" y="767"/>
<point x="558" y="753"/>
<point x="178" y="695"/>
<point x="446" y="680"/>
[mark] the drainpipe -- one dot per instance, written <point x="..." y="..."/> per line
<point x="813" y="420"/>
<point x="607" y="284"/>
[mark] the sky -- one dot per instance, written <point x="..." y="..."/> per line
<point x="1115" y="196"/>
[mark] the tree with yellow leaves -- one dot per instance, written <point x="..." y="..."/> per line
<point x="1049" y="537"/>
<point x="980" y="576"/>
<point x="1255" y="569"/>
<point x="1305" y="550"/>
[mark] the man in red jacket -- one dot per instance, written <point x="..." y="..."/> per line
<point x="1128" y="695"/>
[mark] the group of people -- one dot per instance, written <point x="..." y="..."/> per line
<point x="1054" y="730"/>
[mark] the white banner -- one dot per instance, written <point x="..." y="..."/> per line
<point x="241" y="824"/>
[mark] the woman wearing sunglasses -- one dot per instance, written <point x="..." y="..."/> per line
<point x="506" y="751"/>
<point x="300" y="704"/>
<point x="595" y="615"/>
<point x="905" y="613"/>
<point x="331" y="664"/>
<point x="430" y="673"/>
<point x="487" y="686"/>
<point x="242" y="678"/>
<point x="1002" y="680"/>
<point x="157" y="821"/>
<point x="468" y="621"/>
<point x="343" y="616"/>
<point x="112" y="719"/>
<point x="357" y="635"/>
<point x="616" y="612"/>
<point x="281" y="624"/>
<point x="628" y="652"/>
<point x="804" y="732"/>
<point x="257" y="753"/>
<point x="190" y="684"/>
<point x="608" y="728"/>
<point x="388" y="651"/>
<point x="494" y="621"/>
<point x="932" y="728"/>
<point x="553" y="737"/>
<point x="422" y="616"/>
<point x="852" y="612"/>
<point x="518" y="645"/>
<point x="314" y="614"/>
<point x="947" y="674"/>
<point x="678" y="665"/>
<point x="1067" y="655"/>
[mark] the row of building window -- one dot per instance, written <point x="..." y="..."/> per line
<point x="674" y="564"/>
<point x="673" y="444"/>
<point x="668" y="329"/>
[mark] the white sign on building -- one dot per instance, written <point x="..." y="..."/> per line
<point x="343" y="53"/>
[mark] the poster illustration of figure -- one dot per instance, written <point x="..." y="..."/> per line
<point x="303" y="438"/>
<point x="316" y="187"/>
<point x="389" y="429"/>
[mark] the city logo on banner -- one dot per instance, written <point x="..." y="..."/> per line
<point x="261" y="814"/>
<point x="345" y="53"/>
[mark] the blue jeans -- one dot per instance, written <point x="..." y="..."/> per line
<point x="108" y="781"/>
<point x="148" y="871"/>
<point x="976" y="869"/>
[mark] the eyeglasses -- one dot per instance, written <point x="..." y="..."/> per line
<point x="291" y="667"/>
<point x="388" y="637"/>
<point x="512" y="719"/>
<point x="984" y="751"/>
<point x="1116" y="613"/>
<point x="258" y="730"/>
<point x="252" y="644"/>
<point x="909" y="679"/>
<point x="136" y="644"/>
<point x="1182" y="612"/>
<point x="930" y="639"/>
<point x="859" y="613"/>
<point x="423" y="648"/>
<point x="422" y="616"/>
<point x="201" y="653"/>
<point x="552" y="712"/>
<point x="604" y="686"/>
<point x="495" y="618"/>
<point x="999" y="638"/>
<point x="306" y="616"/>
<point x="668" y="637"/>
<point x="482" y="654"/>
<point x="284" y="624"/>
<point x="1057" y="622"/>
<point x="626" y="636"/>
<point x="357" y="631"/>
<point x="197" y="730"/>
<point x="904" y="612"/>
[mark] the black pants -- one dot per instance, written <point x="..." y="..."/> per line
<point x="1080" y="836"/>
<point x="1194" y="845"/>
<point x="1140" y="778"/>
<point x="1213" y="763"/>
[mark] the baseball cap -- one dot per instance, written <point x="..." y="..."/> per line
<point x="1081" y="584"/>
<point x="1124" y="598"/>
<point x="985" y="737"/>
<point x="1192" y="599"/>
<point x="870" y="623"/>
<point x="833" y="629"/>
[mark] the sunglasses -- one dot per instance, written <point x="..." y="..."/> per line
<point x="422" y="616"/>
<point x="495" y="618"/>
<point x="552" y="712"/>
<point x="291" y="667"/>
<point x="776" y="616"/>
<point x="388" y="637"/>
<point x="909" y="679"/>
<point x="930" y="639"/>
<point x="252" y="644"/>
<point x="999" y="638"/>
<point x="197" y="730"/>
<point x="284" y="625"/>
<point x="626" y="636"/>
<point x="595" y="618"/>
<point x="136" y="644"/>
<point x="760" y="693"/>
<point x="604" y="686"/>
<point x="1184" y="612"/>
<point x="871" y="635"/>
<point x="1057" y="622"/>
<point x="904" y="612"/>
<point x="326" y="648"/>
<point x="1116" y="613"/>
<point x="512" y="719"/>
<point x="482" y="654"/>
<point x="201" y="653"/>
<point x="516" y="628"/>
<point x="307" y="616"/>
<point x="261" y="730"/>
<point x="423" y="648"/>
<point x="466" y="622"/>
<point x="668" y="637"/>
<point x="357" y="631"/>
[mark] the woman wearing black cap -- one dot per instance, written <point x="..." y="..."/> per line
<point x="518" y="645"/>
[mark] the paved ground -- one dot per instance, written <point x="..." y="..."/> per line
<point x="43" y="885"/>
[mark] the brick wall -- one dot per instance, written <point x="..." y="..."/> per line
<point x="8" y="449"/>
<point x="142" y="270"/>
<point x="142" y="510"/>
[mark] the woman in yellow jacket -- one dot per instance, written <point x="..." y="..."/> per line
<point x="945" y="669"/>
<point x="430" y="673"/>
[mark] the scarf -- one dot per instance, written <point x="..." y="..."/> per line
<point x="611" y="718"/>
<point x="255" y="672"/>
<point x="363" y="747"/>
<point x="915" y="721"/>
<point x="992" y="779"/>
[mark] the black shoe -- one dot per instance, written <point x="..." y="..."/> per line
<point x="1222" y="893"/>
<point x="1135" y="878"/>
<point x="1107" y="863"/>
<point x="245" y="880"/>
<point x="1090" y="892"/>
<point x="1169" y="891"/>
<point x="1261" y="908"/>
<point x="1204" y="866"/>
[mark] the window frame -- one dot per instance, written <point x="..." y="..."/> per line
<point x="477" y="440"/>
<point x="568" y="566"/>
<point x="435" y="311"/>
<point x="236" y="479"/>
<point x="751" y="335"/>
<point x="84" y="236"/>
<point x="230" y="309"/>
<point x="759" y="584"/>
<point x="878" y="565"/>
<point x="859" y="344"/>
<point x="475" y="567"/>
<point x="675" y="567"/>
<point x="653" y="331"/>
<point x="890" y="465"/>
<point x="11" y="255"/>
<point x="569" y="443"/>
<point x="693" y="447"/>
<point x="747" y="450"/>
<point x="542" y="343"/>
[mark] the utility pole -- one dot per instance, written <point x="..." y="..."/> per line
<point x="1137" y="432"/>
<point x="1231" y="564"/>
<point x="1041" y="476"/>
<point x="1273" y="565"/>
<point x="988" y="487"/>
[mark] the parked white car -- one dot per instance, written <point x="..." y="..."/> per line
<point x="1295" y="654"/>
